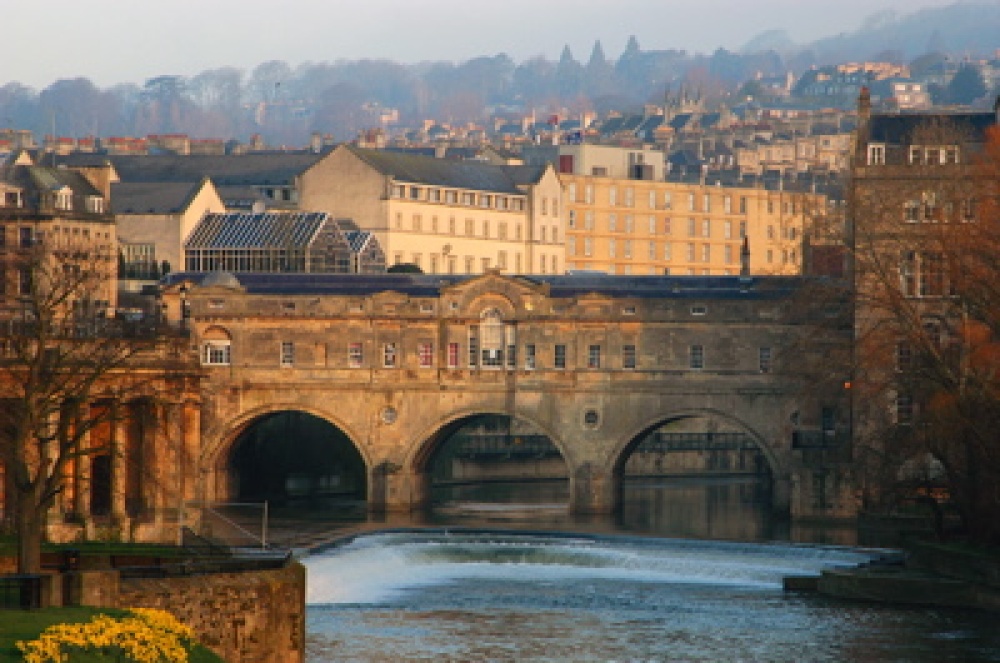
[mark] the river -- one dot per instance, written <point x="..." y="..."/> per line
<point x="690" y="571"/>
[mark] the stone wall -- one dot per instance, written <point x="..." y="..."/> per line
<point x="247" y="617"/>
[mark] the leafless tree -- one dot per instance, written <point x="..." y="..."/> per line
<point x="927" y="359"/>
<point x="59" y="355"/>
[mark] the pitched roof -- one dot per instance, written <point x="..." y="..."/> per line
<point x="235" y="230"/>
<point x="474" y="175"/>
<point x="358" y="239"/>
<point x="899" y="128"/>
<point x="431" y="285"/>
<point x="152" y="197"/>
<point x="258" y="168"/>
<point x="51" y="179"/>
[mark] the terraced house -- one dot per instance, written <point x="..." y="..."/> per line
<point x="447" y="217"/>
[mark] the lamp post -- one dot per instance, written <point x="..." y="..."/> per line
<point x="185" y="310"/>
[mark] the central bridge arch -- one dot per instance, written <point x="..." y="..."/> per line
<point x="488" y="456"/>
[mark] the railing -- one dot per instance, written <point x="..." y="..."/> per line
<point x="667" y="442"/>
<point x="20" y="592"/>
<point x="225" y="528"/>
<point x="816" y="439"/>
<point x="479" y="446"/>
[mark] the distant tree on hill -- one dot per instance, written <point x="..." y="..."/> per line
<point x="967" y="85"/>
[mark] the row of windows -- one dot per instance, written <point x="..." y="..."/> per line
<point x="928" y="209"/>
<point x="730" y="252"/>
<point x="480" y="353"/>
<point x="28" y="236"/>
<point x="545" y="234"/>
<point x="695" y="228"/>
<point x="654" y="199"/>
<point x="467" y="198"/>
<point x="918" y="155"/>
<point x="438" y="264"/>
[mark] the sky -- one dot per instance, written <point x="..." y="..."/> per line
<point x="116" y="41"/>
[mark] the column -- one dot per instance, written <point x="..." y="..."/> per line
<point x="191" y="445"/>
<point x="82" y="474"/>
<point x="120" y="419"/>
<point x="172" y="468"/>
<point x="591" y="490"/>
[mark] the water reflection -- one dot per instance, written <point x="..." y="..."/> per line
<point x="735" y="509"/>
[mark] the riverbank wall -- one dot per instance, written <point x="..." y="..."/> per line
<point x="931" y="574"/>
<point x="250" y="615"/>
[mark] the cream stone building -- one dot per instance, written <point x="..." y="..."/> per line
<point x="627" y="226"/>
<point x="155" y="218"/>
<point x="65" y="213"/>
<point x="445" y="216"/>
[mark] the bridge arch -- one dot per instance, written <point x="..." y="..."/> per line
<point x="633" y="437"/>
<point x="425" y="442"/>
<point x="219" y="457"/>
<point x="630" y="442"/>
<point x="428" y="445"/>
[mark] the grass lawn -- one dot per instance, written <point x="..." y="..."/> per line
<point x="27" y="624"/>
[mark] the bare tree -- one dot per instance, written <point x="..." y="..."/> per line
<point x="59" y="355"/>
<point x="926" y="241"/>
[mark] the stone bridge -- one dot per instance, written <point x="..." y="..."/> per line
<point x="398" y="362"/>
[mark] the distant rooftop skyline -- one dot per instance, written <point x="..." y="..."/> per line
<point x="118" y="41"/>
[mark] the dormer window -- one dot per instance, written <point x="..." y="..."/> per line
<point x="64" y="199"/>
<point x="95" y="204"/>
<point x="876" y="154"/>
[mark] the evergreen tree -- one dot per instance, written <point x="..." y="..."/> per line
<point x="569" y="75"/>
<point x="967" y="85"/>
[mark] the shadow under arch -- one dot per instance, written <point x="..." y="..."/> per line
<point x="630" y="441"/>
<point x="700" y="473"/>
<point x="484" y="456"/>
<point x="289" y="448"/>
<point x="425" y="443"/>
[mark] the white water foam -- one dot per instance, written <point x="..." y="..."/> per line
<point x="377" y="568"/>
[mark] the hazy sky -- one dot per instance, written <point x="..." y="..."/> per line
<point x="112" y="41"/>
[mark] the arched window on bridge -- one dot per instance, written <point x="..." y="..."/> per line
<point x="216" y="348"/>
<point x="494" y="339"/>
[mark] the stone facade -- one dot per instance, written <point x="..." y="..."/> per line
<point x="594" y="363"/>
<point x="247" y="617"/>
<point x="444" y="216"/>
<point x="624" y="226"/>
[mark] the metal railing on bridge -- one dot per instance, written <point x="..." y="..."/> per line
<point x="501" y="445"/>
<point x="660" y="442"/>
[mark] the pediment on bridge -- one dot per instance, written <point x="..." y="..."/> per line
<point x="593" y="303"/>
<point x="520" y="293"/>
<point x="389" y="301"/>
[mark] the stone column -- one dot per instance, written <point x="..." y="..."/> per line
<point x="119" y="465"/>
<point x="591" y="490"/>
<point x="154" y="461"/>
<point x="396" y="490"/>
<point x="82" y="477"/>
<point x="191" y="448"/>
<point x="188" y="475"/>
<point x="781" y="495"/>
<point x="172" y="468"/>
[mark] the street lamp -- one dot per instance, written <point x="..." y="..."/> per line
<point x="185" y="310"/>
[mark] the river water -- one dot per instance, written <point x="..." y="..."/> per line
<point x="639" y="591"/>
